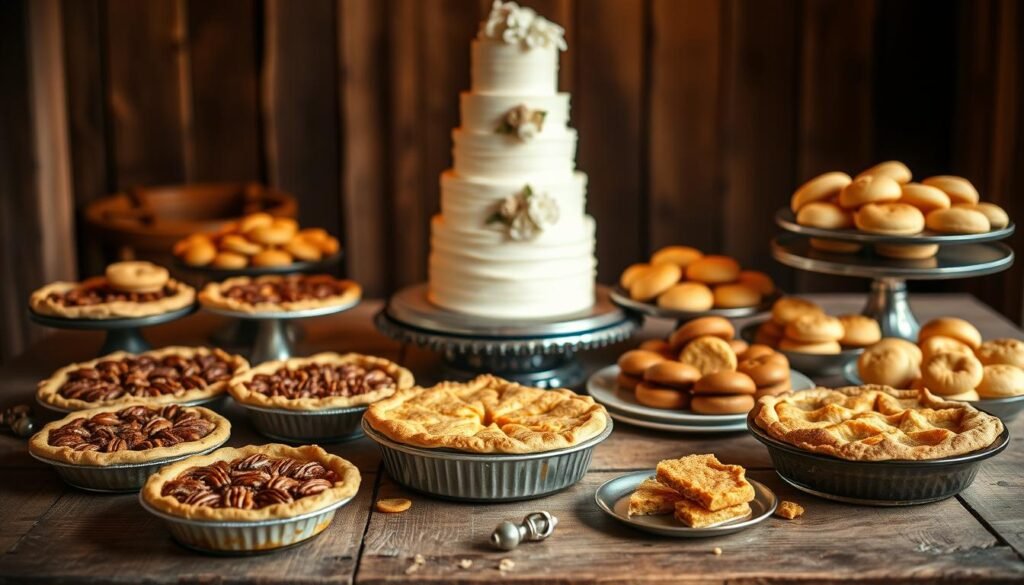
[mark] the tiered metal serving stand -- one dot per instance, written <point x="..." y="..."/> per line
<point x="121" y="334"/>
<point x="540" y="353"/>
<point x="959" y="256"/>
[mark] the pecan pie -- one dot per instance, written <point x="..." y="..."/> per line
<point x="488" y="415"/>
<point x="272" y="293"/>
<point x="874" y="423"/>
<point x="325" y="380"/>
<point x="148" y="291"/>
<point x="255" y="482"/>
<point x="136" y="433"/>
<point x="171" y="374"/>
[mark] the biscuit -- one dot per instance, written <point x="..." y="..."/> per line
<point x="942" y="344"/>
<point x="887" y="364"/>
<point x="951" y="327"/>
<point x="630" y="274"/>
<point x="789" y="510"/>
<point x="713" y="270"/>
<point x="774" y="389"/>
<point x="788" y="309"/>
<point x="814" y="328"/>
<point x="137" y="276"/>
<point x="725" y="383"/>
<point x="893" y="169"/>
<point x="272" y="257"/>
<point x="711" y="404"/>
<point x="687" y="296"/>
<point x="709" y="355"/>
<point x="869" y="189"/>
<point x="758" y="281"/>
<point x="859" y="331"/>
<point x="230" y="260"/>
<point x="958" y="220"/>
<point x="765" y="370"/>
<point x="835" y="246"/>
<point x="254" y="220"/>
<point x="1001" y="351"/>
<point x="651" y="498"/>
<point x="890" y="218"/>
<point x="768" y="334"/>
<point x="199" y="253"/>
<point x="672" y="374"/>
<point x="729" y="296"/>
<point x="757" y="350"/>
<point x="738" y="346"/>
<point x="968" y="396"/>
<point x="393" y="505"/>
<point x="658" y="346"/>
<point x="912" y="350"/>
<point x="1001" y="381"/>
<point x="715" y="326"/>
<point x="951" y="373"/>
<point x="816" y="348"/>
<point x="681" y="256"/>
<point x="997" y="217"/>
<point x="654" y="281"/>
<point x="907" y="252"/>
<point x="661" y="397"/>
<point x="820" y="188"/>
<point x="959" y="189"/>
<point x="279" y="232"/>
<point x="316" y="235"/>
<point x="924" y="197"/>
<point x="238" y="244"/>
<point x="330" y="246"/>
<point x="182" y="245"/>
<point x="626" y="382"/>
<point x="303" y="249"/>
<point x="635" y="362"/>
<point x="825" y="215"/>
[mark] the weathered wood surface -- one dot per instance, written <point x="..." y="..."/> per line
<point x="50" y="533"/>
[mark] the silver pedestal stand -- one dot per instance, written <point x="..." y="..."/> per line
<point x="539" y="353"/>
<point x="272" y="341"/>
<point x="621" y="298"/>
<point x="122" y="334"/>
<point x="888" y="301"/>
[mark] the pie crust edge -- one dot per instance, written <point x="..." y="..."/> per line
<point x="212" y="295"/>
<point x="185" y="296"/>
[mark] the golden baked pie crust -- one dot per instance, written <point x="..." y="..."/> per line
<point x="213" y="295"/>
<point x="40" y="302"/>
<point x="49" y="389"/>
<point x="344" y="488"/>
<point x="40" y="446"/>
<point x="403" y="379"/>
<point x="488" y="415"/>
<point x="876" y="423"/>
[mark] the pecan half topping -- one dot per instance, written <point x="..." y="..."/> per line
<point x="97" y="293"/>
<point x="135" y="428"/>
<point x="145" y="376"/>
<point x="321" y="381"/>
<point x="251" y="482"/>
<point x="290" y="289"/>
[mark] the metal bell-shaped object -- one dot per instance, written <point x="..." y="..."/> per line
<point x="535" y="526"/>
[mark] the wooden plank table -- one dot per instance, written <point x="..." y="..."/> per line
<point x="50" y="533"/>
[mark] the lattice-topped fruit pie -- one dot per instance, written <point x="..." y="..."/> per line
<point x="137" y="433"/>
<point x="874" y="423"/>
<point x="322" y="381"/>
<point x="273" y="293"/>
<point x="488" y="415"/>
<point x="168" y="375"/>
<point x="256" y="482"/>
<point x="128" y="289"/>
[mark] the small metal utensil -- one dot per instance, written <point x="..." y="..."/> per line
<point x="535" y="526"/>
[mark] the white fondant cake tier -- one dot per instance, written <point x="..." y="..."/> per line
<point x="485" y="113"/>
<point x="498" y="156"/>
<point x="469" y="201"/>
<point x="503" y="68"/>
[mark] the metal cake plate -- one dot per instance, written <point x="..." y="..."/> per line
<point x="812" y="363"/>
<point x="213" y="273"/>
<point x="537" y="352"/>
<point x="785" y="219"/>
<point x="621" y="297"/>
<point x="122" y="334"/>
<point x="888" y="302"/>
<point x="272" y="341"/>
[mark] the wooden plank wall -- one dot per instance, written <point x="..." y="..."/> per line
<point x="696" y="118"/>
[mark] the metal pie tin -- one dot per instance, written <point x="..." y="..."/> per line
<point x="113" y="478"/>
<point x="215" y="403"/>
<point x="307" y="426"/>
<point x="475" y="477"/>
<point x="240" y="538"/>
<point x="875" y="483"/>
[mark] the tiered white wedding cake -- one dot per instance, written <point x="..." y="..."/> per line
<point x="513" y="239"/>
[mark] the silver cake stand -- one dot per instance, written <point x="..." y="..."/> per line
<point x="122" y="334"/>
<point x="621" y="297"/>
<point x="272" y="341"/>
<point x="888" y="301"/>
<point x="540" y="353"/>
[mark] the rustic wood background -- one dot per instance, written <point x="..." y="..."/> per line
<point x="697" y="118"/>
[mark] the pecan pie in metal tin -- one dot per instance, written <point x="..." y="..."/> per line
<point x="279" y="293"/>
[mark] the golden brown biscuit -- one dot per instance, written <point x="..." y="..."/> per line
<point x="238" y="244"/>
<point x="788" y="309"/>
<point x="199" y="253"/>
<point x="835" y="246"/>
<point x="728" y="296"/>
<point x="951" y="327"/>
<point x="824" y="215"/>
<point x="661" y="397"/>
<point x="687" y="296"/>
<point x="137" y="276"/>
<point x="709" y="355"/>
<point x="654" y="281"/>
<point x="814" y="328"/>
<point x="958" y="220"/>
<point x="715" y="326"/>
<point x="820" y="188"/>
<point x="969" y="396"/>
<point x="887" y="364"/>
<point x="317" y="235"/>
<point x="859" y="331"/>
<point x="765" y="370"/>
<point x="681" y="256"/>
<point x="230" y="260"/>
<point x="775" y="389"/>
<point x="393" y="505"/>
<point x="768" y="333"/>
<point x="758" y="281"/>
<point x="713" y="404"/>
<point x="626" y="382"/>
<point x="253" y="221"/>
<point x="630" y="274"/>
<point x="890" y="218"/>
<point x="869" y="189"/>
<point x="635" y="362"/>
<point x="907" y="252"/>
<point x="757" y="350"/>
<point x="959" y="189"/>
<point x="912" y="350"/>
<point x="182" y="245"/>
<point x="738" y="346"/>
<point x="893" y="169"/>
<point x="672" y="374"/>
<point x="279" y="232"/>
<point x="303" y="249"/>
<point x="951" y="373"/>
<point x="1001" y="381"/>
<point x="817" y="348"/>
<point x="924" y="197"/>
<point x="657" y="345"/>
<point x="330" y="246"/>
<point x="725" y="382"/>
<point x="272" y="257"/>
<point x="1001" y="351"/>
<point x="713" y="270"/>
<point x="942" y="344"/>
<point x="997" y="217"/>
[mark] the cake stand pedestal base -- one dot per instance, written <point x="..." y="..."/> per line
<point x="121" y="334"/>
<point x="889" y="304"/>
<point x="539" y="353"/>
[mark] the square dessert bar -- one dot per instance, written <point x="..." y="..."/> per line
<point x="706" y="481"/>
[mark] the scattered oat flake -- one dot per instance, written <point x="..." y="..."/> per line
<point x="417" y="562"/>
<point x="717" y="551"/>
<point x="465" y="563"/>
<point x="506" y="565"/>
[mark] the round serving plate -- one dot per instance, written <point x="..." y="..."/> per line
<point x="621" y="298"/>
<point x="1006" y="409"/>
<point x="217" y="274"/>
<point x="689" y="429"/>
<point x="814" y="364"/>
<point x="535" y="352"/>
<point x="603" y="388"/>
<point x="123" y="334"/>
<point x="211" y="402"/>
<point x="613" y="499"/>
<point x="875" y="483"/>
<point x="785" y="219"/>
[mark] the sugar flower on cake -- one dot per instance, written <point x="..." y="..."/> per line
<point x="514" y="24"/>
<point x="525" y="214"/>
<point x="522" y="122"/>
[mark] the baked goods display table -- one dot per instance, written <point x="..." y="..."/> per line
<point x="52" y="533"/>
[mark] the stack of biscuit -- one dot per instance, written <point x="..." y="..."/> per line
<point x="700" y="490"/>
<point x="258" y="240"/>
<point x="702" y="367"/>
<point x="800" y="326"/>
<point x="681" y="278"/>
<point x="950" y="360"/>
<point x="883" y="200"/>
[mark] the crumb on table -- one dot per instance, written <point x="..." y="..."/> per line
<point x="789" y="510"/>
